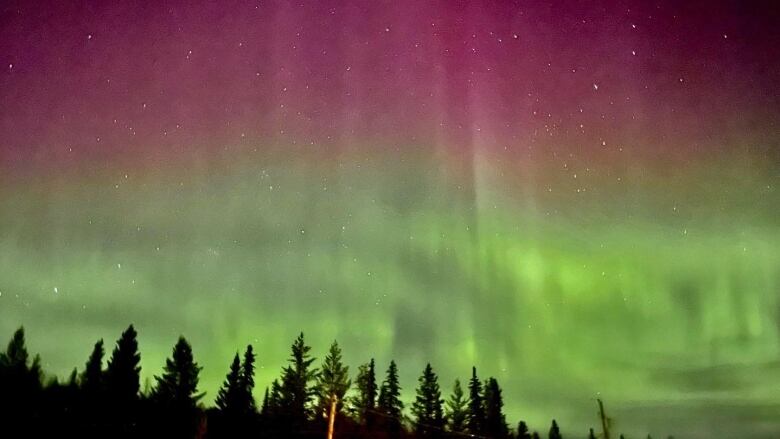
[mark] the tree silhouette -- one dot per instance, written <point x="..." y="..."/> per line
<point x="264" y="406"/>
<point x="20" y="385"/>
<point x="228" y="397"/>
<point x="178" y="385"/>
<point x="389" y="403"/>
<point x="457" y="409"/>
<point x="247" y="382"/>
<point x="535" y="435"/>
<point x="92" y="377"/>
<point x="15" y="355"/>
<point x="522" y="431"/>
<point x="176" y="391"/>
<point x="476" y="418"/>
<point x="427" y="406"/>
<point x="333" y="381"/>
<point x="123" y="372"/>
<point x="294" y="392"/>
<point x="555" y="432"/>
<point x="591" y="434"/>
<point x="495" y="421"/>
<point x="365" y="400"/>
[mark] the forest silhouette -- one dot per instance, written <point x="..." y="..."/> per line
<point x="303" y="402"/>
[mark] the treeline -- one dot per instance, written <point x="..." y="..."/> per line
<point x="109" y="402"/>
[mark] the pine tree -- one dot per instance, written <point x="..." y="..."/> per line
<point x="365" y="401"/>
<point x="555" y="432"/>
<point x="20" y="385"/>
<point x="389" y="402"/>
<point x="457" y="410"/>
<point x="15" y="356"/>
<point x="476" y="418"/>
<point x="228" y="396"/>
<point x="176" y="392"/>
<point x="333" y="381"/>
<point x="522" y="431"/>
<point x="295" y="393"/>
<point x="427" y="406"/>
<point x="123" y="372"/>
<point x="591" y="434"/>
<point x="177" y="387"/>
<point x="275" y="400"/>
<point x="495" y="421"/>
<point x="92" y="377"/>
<point x="265" y="403"/>
<point x="247" y="381"/>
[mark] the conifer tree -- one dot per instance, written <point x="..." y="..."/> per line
<point x="20" y="385"/>
<point x="365" y="401"/>
<point x="15" y="356"/>
<point x="333" y="381"/>
<point x="123" y="372"/>
<point x="555" y="432"/>
<point x="247" y="381"/>
<point x="476" y="419"/>
<point x="265" y="404"/>
<point x="228" y="396"/>
<point x="522" y="431"/>
<point x="92" y="377"/>
<point x="295" y="393"/>
<point x="177" y="387"/>
<point x="495" y="421"/>
<point x="176" y="392"/>
<point x="275" y="400"/>
<point x="457" y="409"/>
<point x="427" y="406"/>
<point x="389" y="403"/>
<point x="591" y="434"/>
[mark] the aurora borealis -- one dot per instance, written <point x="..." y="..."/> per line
<point x="581" y="199"/>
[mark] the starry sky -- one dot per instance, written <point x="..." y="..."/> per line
<point x="579" y="198"/>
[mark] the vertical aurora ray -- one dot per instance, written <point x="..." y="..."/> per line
<point x="579" y="200"/>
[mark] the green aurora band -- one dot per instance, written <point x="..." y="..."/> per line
<point x="656" y="290"/>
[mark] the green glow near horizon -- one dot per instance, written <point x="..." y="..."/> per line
<point x="643" y="294"/>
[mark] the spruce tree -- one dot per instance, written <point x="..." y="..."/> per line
<point x="295" y="393"/>
<point x="389" y="403"/>
<point x="264" y="404"/>
<point x="476" y="418"/>
<point x="495" y="421"/>
<point x="274" y="406"/>
<point x="92" y="377"/>
<point x="228" y="396"/>
<point x="247" y="381"/>
<point x="177" y="387"/>
<point x="123" y="372"/>
<point x="427" y="406"/>
<point x="457" y="410"/>
<point x="365" y="400"/>
<point x="555" y="432"/>
<point x="176" y="393"/>
<point x="20" y="385"/>
<point x="333" y="381"/>
<point x="522" y="431"/>
<point x="15" y="356"/>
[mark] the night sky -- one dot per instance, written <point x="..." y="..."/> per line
<point x="579" y="198"/>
